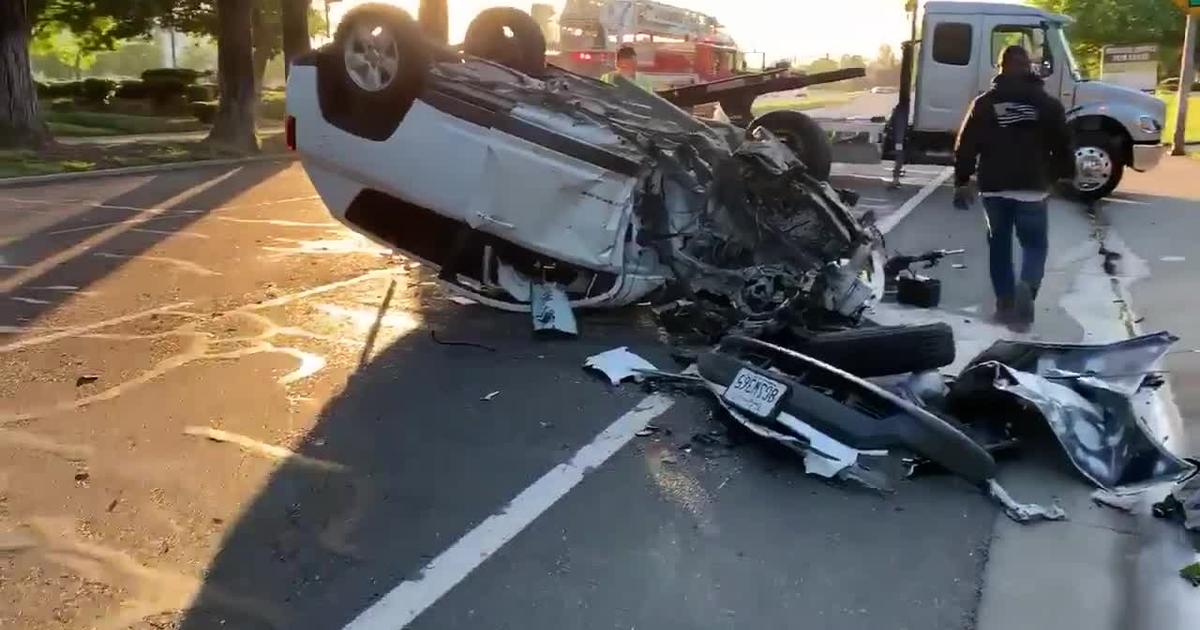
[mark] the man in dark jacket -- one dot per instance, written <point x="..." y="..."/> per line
<point x="1018" y="135"/>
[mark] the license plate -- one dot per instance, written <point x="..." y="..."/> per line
<point x="755" y="393"/>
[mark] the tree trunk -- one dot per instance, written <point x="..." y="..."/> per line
<point x="296" y="42"/>
<point x="434" y="18"/>
<point x="20" y="123"/>
<point x="262" y="49"/>
<point x="234" y="124"/>
<point x="78" y="65"/>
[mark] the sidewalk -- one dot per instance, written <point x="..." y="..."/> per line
<point x="264" y="130"/>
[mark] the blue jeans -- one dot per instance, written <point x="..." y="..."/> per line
<point x="1028" y="219"/>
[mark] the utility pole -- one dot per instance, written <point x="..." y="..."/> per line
<point x="1187" y="75"/>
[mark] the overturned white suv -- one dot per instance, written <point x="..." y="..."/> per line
<point x="503" y="172"/>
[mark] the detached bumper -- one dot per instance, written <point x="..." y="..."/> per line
<point x="1147" y="156"/>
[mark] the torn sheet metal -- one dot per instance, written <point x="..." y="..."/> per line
<point x="619" y="364"/>
<point x="551" y="309"/>
<point x="1182" y="504"/>
<point x="1119" y="367"/>
<point x="1097" y="426"/>
<point x="1023" y="512"/>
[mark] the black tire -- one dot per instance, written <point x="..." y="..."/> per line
<point x="884" y="350"/>
<point x="1110" y="146"/>
<point x="803" y="136"/>
<point x="509" y="37"/>
<point x="373" y="113"/>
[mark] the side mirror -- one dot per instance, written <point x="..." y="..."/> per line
<point x="1046" y="68"/>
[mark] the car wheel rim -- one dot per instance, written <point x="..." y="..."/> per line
<point x="372" y="56"/>
<point x="1093" y="168"/>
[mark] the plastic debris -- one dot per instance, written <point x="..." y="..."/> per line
<point x="462" y="301"/>
<point x="1023" y="512"/>
<point x="86" y="380"/>
<point x="490" y="396"/>
<point x="619" y="364"/>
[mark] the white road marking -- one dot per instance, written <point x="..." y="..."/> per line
<point x="1173" y="259"/>
<point x="43" y="267"/>
<point x="29" y="300"/>
<point x="890" y="221"/>
<point x="79" y="330"/>
<point x="408" y="600"/>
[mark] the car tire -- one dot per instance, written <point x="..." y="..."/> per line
<point x="803" y="136"/>
<point x="1102" y="149"/>
<point x="371" y="76"/>
<point x="509" y="37"/>
<point x="883" y="350"/>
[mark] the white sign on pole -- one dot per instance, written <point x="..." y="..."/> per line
<point x="1131" y="66"/>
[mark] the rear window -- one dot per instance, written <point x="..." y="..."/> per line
<point x="952" y="43"/>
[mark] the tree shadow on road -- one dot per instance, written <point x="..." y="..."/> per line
<point x="46" y="268"/>
<point x="417" y="453"/>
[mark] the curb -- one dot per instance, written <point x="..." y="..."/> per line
<point x="55" y="178"/>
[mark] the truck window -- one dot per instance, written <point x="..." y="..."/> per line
<point x="952" y="43"/>
<point x="1031" y="38"/>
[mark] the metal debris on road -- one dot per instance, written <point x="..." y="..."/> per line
<point x="619" y="364"/>
<point x="551" y="310"/>
<point x="87" y="379"/>
<point x="1124" y="501"/>
<point x="1084" y="394"/>
<point x="648" y="431"/>
<point x="490" y="396"/>
<point x="1023" y="512"/>
<point x="462" y="301"/>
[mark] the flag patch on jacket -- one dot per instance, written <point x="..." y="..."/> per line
<point x="1009" y="114"/>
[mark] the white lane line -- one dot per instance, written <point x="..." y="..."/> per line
<point x="44" y="266"/>
<point x="78" y="330"/>
<point x="890" y="221"/>
<point x="409" y="599"/>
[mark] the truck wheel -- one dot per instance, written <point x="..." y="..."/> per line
<point x="1098" y="166"/>
<point x="379" y="63"/>
<point x="509" y="37"/>
<point x="803" y="136"/>
<point x="883" y="350"/>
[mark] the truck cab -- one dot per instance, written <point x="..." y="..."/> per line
<point x="955" y="60"/>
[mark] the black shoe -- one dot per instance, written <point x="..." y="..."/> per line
<point x="1022" y="311"/>
<point x="1004" y="311"/>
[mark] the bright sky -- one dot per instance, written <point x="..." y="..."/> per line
<point x="805" y="29"/>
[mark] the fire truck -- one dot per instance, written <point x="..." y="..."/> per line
<point x="675" y="46"/>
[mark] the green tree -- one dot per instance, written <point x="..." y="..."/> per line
<point x="69" y="49"/>
<point x="824" y="64"/>
<point x="97" y="24"/>
<point x="852" y="61"/>
<point x="199" y="17"/>
<point x="1100" y="23"/>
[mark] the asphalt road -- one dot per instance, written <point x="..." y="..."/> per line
<point x="142" y="314"/>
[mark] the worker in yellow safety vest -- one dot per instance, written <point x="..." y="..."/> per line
<point x="627" y="64"/>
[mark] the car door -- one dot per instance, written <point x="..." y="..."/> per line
<point x="948" y="70"/>
<point x="1002" y="31"/>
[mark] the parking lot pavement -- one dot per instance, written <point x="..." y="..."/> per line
<point x="219" y="408"/>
